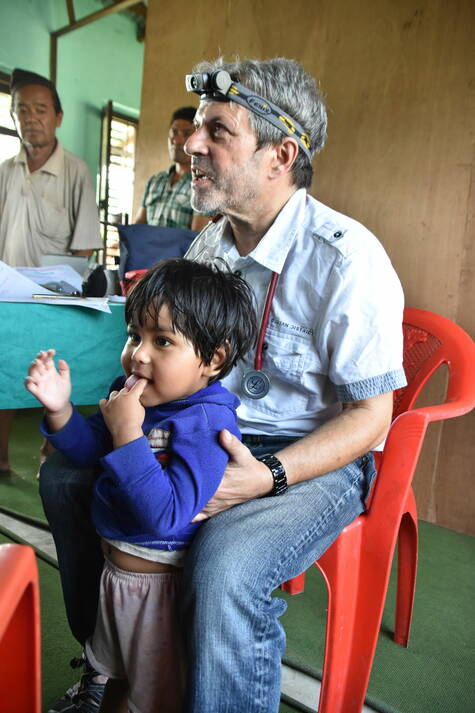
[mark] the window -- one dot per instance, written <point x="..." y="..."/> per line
<point x="116" y="183"/>
<point x="9" y="141"/>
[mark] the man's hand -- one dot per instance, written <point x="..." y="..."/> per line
<point x="124" y="414"/>
<point x="244" y="478"/>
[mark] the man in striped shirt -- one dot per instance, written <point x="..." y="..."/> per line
<point x="167" y="195"/>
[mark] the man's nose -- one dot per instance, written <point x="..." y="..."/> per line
<point x="195" y="143"/>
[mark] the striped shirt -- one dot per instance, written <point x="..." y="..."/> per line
<point x="169" y="204"/>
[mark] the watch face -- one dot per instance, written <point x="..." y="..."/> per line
<point x="255" y="384"/>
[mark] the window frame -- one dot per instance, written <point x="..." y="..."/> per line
<point x="5" y="89"/>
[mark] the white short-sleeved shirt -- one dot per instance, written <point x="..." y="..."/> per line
<point x="49" y="211"/>
<point x="335" y="327"/>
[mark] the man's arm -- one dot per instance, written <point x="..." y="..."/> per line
<point x="361" y="426"/>
<point x="82" y="253"/>
<point x="141" y="216"/>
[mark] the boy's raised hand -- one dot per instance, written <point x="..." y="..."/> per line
<point x="51" y="386"/>
<point x="124" y="414"/>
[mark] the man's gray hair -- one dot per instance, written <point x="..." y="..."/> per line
<point x="285" y="83"/>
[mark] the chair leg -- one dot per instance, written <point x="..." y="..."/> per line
<point x="355" y="606"/>
<point x="407" y="571"/>
<point x="296" y="585"/>
<point x="20" y="664"/>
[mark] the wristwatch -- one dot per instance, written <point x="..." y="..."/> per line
<point x="278" y="473"/>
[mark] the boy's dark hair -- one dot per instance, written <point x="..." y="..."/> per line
<point x="184" y="112"/>
<point x="209" y="306"/>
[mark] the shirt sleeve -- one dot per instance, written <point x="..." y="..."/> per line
<point x="86" y="232"/>
<point x="82" y="441"/>
<point x="362" y="326"/>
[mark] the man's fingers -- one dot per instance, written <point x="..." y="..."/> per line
<point x="200" y="517"/>
<point x="237" y="451"/>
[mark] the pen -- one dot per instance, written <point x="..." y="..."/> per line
<point x="57" y="297"/>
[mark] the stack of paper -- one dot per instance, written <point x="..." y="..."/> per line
<point x="17" y="285"/>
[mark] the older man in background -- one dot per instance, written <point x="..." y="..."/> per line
<point x="47" y="201"/>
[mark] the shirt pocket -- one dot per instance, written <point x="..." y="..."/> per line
<point x="285" y="362"/>
<point x="53" y="221"/>
<point x="285" y="356"/>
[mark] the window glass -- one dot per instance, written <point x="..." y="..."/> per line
<point x="9" y="142"/>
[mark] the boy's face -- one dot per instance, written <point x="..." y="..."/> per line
<point x="166" y="359"/>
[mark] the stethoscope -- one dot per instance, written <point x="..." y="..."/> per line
<point x="255" y="383"/>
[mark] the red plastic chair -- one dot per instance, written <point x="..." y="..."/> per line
<point x="20" y="662"/>
<point x="356" y="568"/>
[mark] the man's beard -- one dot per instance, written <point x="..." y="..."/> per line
<point x="228" y="192"/>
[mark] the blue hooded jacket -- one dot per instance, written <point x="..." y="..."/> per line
<point x="150" y="489"/>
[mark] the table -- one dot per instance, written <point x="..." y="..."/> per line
<point x="89" y="340"/>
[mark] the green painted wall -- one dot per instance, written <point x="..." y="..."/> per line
<point x="98" y="62"/>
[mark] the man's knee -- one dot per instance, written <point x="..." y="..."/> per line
<point x="60" y="482"/>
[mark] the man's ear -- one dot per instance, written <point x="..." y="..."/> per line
<point x="59" y="119"/>
<point x="217" y="361"/>
<point x="285" y="155"/>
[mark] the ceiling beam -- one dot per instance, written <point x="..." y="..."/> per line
<point x="70" y="8"/>
<point x="111" y="9"/>
<point x="76" y="24"/>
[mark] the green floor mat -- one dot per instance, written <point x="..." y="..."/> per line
<point x="19" y="488"/>
<point x="433" y="675"/>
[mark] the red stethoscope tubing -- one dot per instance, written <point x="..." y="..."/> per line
<point x="265" y="321"/>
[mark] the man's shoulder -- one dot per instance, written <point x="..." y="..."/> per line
<point x="8" y="165"/>
<point x="78" y="163"/>
<point x="337" y="231"/>
<point x="158" y="177"/>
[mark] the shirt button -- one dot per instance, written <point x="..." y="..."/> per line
<point x="238" y="273"/>
<point x="338" y="234"/>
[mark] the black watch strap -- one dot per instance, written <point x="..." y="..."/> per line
<point x="278" y="473"/>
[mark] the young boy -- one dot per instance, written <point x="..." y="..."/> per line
<point x="156" y="440"/>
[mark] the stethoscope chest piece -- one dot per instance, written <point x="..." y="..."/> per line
<point x="255" y="384"/>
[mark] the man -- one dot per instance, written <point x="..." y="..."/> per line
<point x="315" y="399"/>
<point x="47" y="202"/>
<point x="167" y="196"/>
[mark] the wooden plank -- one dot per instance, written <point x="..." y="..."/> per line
<point x="111" y="9"/>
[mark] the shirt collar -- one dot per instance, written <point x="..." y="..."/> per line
<point x="53" y="165"/>
<point x="272" y="250"/>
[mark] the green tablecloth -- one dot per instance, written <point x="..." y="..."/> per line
<point x="89" y="340"/>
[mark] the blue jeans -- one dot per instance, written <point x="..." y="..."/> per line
<point x="237" y="559"/>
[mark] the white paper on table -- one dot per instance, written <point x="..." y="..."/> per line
<point x="15" y="287"/>
<point x="52" y="273"/>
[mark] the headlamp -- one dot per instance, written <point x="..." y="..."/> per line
<point x="219" y="86"/>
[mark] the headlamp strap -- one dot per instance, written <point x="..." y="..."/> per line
<point x="222" y="88"/>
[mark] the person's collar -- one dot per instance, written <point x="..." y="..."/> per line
<point x="53" y="165"/>
<point x="274" y="246"/>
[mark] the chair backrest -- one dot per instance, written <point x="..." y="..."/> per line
<point x="141" y="245"/>
<point x="430" y="340"/>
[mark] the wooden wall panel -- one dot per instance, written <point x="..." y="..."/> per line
<point x="400" y="86"/>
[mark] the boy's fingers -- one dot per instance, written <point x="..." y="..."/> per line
<point x="139" y="386"/>
<point x="63" y="367"/>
